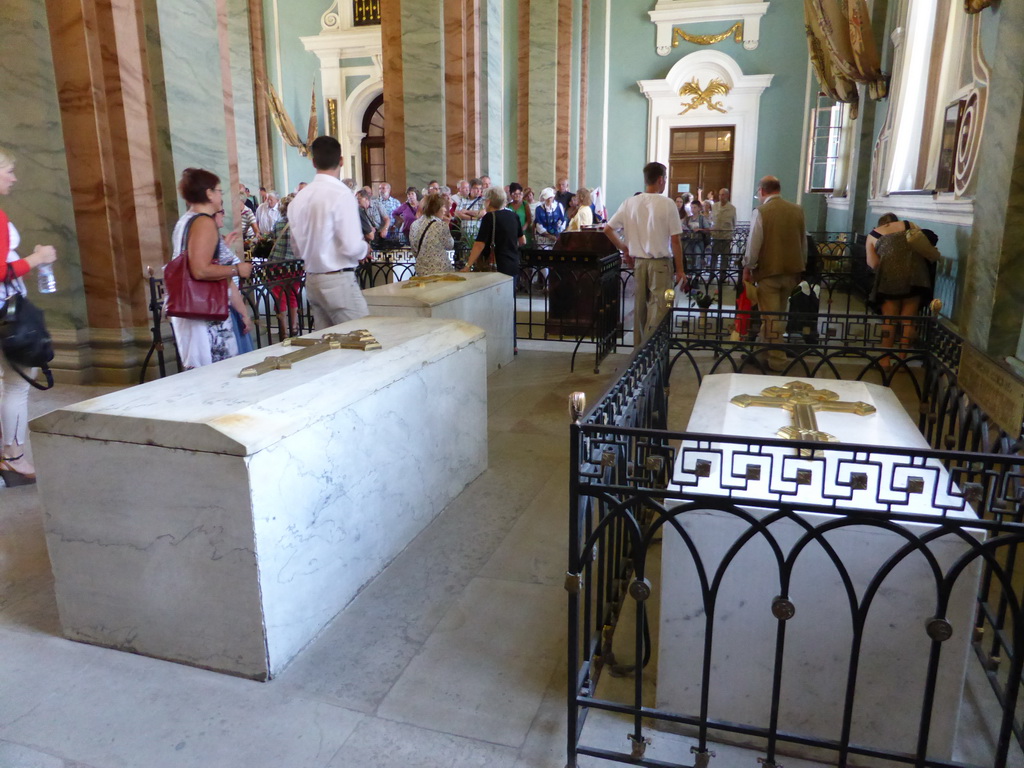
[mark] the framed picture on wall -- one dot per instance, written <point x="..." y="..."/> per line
<point x="947" y="150"/>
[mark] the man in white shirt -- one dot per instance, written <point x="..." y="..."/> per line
<point x="326" y="234"/>
<point x="268" y="214"/>
<point x="651" y="228"/>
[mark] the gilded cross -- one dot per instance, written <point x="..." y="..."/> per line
<point x="803" y="401"/>
<point x="361" y="339"/>
<point x="419" y="282"/>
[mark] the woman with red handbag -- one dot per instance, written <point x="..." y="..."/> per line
<point x="15" y="469"/>
<point x="203" y="329"/>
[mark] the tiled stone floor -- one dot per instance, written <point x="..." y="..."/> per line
<point x="454" y="656"/>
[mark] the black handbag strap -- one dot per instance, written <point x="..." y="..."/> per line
<point x="45" y="370"/>
<point x="419" y="243"/>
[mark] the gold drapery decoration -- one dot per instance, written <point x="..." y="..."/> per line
<point x="976" y="6"/>
<point x="286" y="127"/>
<point x="735" y="31"/>
<point x="843" y="51"/>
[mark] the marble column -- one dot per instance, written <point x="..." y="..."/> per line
<point x="264" y="151"/>
<point x="992" y="311"/>
<point x="41" y="204"/>
<point x="461" y="88"/>
<point x="242" y="92"/>
<point x="106" y="116"/>
<point x="584" y="95"/>
<point x="563" y="96"/>
<point x="423" y="53"/>
<point x="492" y="94"/>
<point x="189" y="45"/>
<point x="542" y="98"/>
<point x="392" y="27"/>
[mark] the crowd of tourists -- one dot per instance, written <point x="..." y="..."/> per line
<point x="332" y="227"/>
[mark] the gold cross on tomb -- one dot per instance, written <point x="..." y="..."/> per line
<point x="419" y="282"/>
<point x="361" y="339"/>
<point x="803" y="401"/>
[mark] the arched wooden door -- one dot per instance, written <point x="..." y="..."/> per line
<point x="374" y="169"/>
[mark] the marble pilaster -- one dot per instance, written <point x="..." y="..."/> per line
<point x="242" y="93"/>
<point x="993" y="299"/>
<point x="492" y="99"/>
<point x="191" y="53"/>
<point x="422" y="77"/>
<point x="394" y="88"/>
<point x="563" y="96"/>
<point x="40" y="204"/>
<point x="542" y="34"/>
<point x="523" y="95"/>
<point x="584" y="96"/>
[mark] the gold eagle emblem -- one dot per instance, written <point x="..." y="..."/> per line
<point x="703" y="96"/>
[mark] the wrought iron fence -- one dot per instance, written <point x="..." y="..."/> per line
<point x="818" y="601"/>
<point x="555" y="301"/>
<point x="365" y="12"/>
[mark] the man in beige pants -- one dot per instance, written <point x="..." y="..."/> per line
<point x="775" y="259"/>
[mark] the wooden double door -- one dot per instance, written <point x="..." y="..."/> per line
<point x="700" y="158"/>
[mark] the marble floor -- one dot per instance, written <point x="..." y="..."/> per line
<point x="453" y="656"/>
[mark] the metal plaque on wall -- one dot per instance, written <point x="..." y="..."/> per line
<point x="994" y="387"/>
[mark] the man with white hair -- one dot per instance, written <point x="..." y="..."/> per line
<point x="267" y="215"/>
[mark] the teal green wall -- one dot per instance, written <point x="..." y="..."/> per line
<point x="782" y="51"/>
<point x="300" y="71"/>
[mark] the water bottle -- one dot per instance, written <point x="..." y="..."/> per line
<point x="47" y="281"/>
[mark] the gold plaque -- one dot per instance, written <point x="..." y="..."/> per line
<point x="994" y="387"/>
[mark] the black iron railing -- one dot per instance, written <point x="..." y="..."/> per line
<point x="556" y="301"/>
<point x="943" y="525"/>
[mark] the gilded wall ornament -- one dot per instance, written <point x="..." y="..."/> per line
<point x="735" y="31"/>
<point x="976" y="6"/>
<point x="332" y="117"/>
<point x="704" y="96"/>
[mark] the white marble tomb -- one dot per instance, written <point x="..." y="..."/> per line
<point x="485" y="299"/>
<point x="223" y="521"/>
<point x="894" y="655"/>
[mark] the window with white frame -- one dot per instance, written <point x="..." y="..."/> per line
<point x="827" y="147"/>
<point x="930" y="72"/>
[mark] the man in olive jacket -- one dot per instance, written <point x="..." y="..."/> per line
<point x="775" y="259"/>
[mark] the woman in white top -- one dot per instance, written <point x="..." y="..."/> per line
<point x="201" y="342"/>
<point x="14" y="467"/>
<point x="430" y="238"/>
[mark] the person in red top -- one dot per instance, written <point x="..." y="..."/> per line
<point x="15" y="469"/>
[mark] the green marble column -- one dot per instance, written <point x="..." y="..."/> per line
<point x="993" y="297"/>
<point x="242" y="93"/>
<point x="40" y="204"/>
<point x="543" y="74"/>
<point x="190" y="54"/>
<point x="492" y="90"/>
<point x="423" y="86"/>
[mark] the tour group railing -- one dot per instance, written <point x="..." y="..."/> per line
<point x="554" y="301"/>
<point x="943" y="519"/>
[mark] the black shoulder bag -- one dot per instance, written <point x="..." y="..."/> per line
<point x="23" y="335"/>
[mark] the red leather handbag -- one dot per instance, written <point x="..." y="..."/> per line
<point x="191" y="298"/>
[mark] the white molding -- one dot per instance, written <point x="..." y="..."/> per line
<point x="333" y="47"/>
<point x="837" y="203"/>
<point x="742" y="105"/>
<point x="944" y="208"/>
<point x="668" y="14"/>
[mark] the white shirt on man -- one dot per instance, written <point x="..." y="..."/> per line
<point x="267" y="216"/>
<point x="648" y="222"/>
<point x="324" y="222"/>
